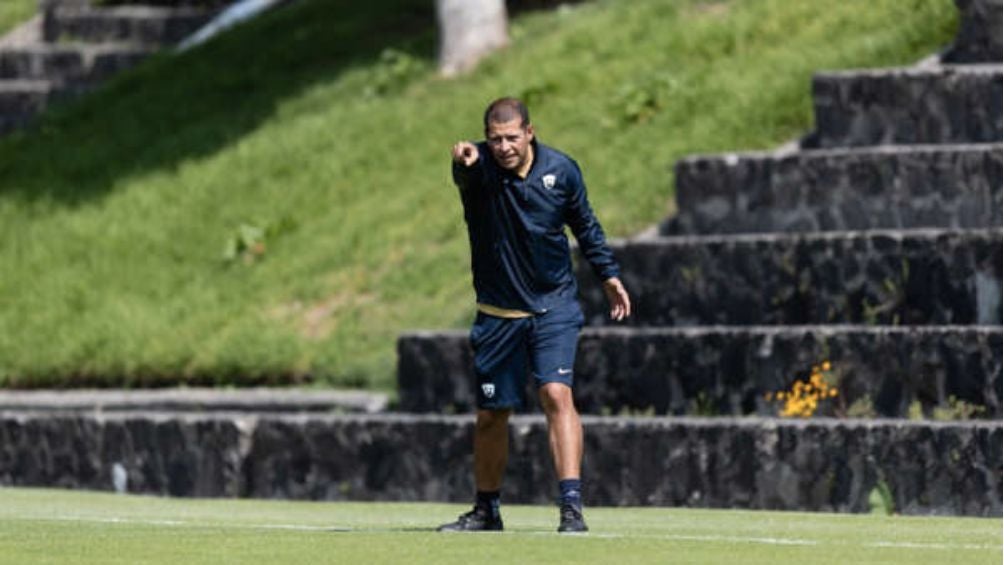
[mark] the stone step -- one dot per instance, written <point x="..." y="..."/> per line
<point x="979" y="37"/>
<point x="257" y="400"/>
<point x="919" y="105"/>
<point x="148" y="25"/>
<point x="48" y="4"/>
<point x="44" y="5"/>
<point x="889" y="187"/>
<point x="70" y="64"/>
<point x="20" y="100"/>
<point x="816" y="465"/>
<point x="910" y="277"/>
<point x="727" y="371"/>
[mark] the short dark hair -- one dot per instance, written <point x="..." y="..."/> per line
<point x="505" y="110"/>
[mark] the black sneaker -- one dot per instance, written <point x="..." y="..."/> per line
<point x="477" y="520"/>
<point x="571" y="520"/>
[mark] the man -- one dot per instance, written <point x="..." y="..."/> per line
<point x="518" y="195"/>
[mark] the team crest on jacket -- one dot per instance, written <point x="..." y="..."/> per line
<point x="488" y="389"/>
<point x="549" y="181"/>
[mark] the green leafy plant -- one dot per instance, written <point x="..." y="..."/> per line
<point x="880" y="500"/>
<point x="863" y="407"/>
<point x="394" y="70"/>
<point x="247" y="242"/>
<point x="536" y="93"/>
<point x="958" y="409"/>
<point x="638" y="102"/>
<point x="704" y="406"/>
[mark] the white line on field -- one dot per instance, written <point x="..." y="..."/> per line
<point x="921" y="545"/>
<point x="595" y="535"/>
<point x="682" y="537"/>
<point x="185" y="523"/>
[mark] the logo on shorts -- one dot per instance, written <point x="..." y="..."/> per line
<point x="488" y="389"/>
<point x="564" y="371"/>
<point x="549" y="181"/>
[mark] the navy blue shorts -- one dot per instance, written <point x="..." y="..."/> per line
<point x="507" y="350"/>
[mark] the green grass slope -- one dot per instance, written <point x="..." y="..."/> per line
<point x="15" y="12"/>
<point x="318" y="136"/>
<point x="49" y="526"/>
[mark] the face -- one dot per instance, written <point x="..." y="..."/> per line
<point x="509" y="143"/>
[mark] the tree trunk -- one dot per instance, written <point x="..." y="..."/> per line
<point x="469" y="30"/>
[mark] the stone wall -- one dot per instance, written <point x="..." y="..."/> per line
<point x="146" y="25"/>
<point x="727" y="371"/>
<point x="170" y="455"/>
<point x="959" y="104"/>
<point x="74" y="45"/>
<point x="819" y="465"/>
<point x="979" y="37"/>
<point x="193" y="399"/>
<point x="841" y="189"/>
<point x="910" y="278"/>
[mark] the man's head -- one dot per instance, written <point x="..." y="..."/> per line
<point x="509" y="133"/>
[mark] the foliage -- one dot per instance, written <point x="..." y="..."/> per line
<point x="113" y="210"/>
<point x="639" y="101"/>
<point x="862" y="407"/>
<point x="880" y="499"/>
<point x="806" y="396"/>
<point x="958" y="409"/>
<point x="955" y="409"/>
<point x="247" y="242"/>
<point x="392" y="72"/>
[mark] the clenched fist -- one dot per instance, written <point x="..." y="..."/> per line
<point x="465" y="153"/>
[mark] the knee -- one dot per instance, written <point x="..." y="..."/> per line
<point x="556" y="398"/>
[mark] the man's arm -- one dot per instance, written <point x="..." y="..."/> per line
<point x="465" y="155"/>
<point x="592" y="242"/>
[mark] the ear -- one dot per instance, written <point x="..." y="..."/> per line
<point x="529" y="131"/>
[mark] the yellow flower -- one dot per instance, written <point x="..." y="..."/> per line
<point x="803" y="398"/>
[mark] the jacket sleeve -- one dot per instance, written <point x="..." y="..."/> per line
<point x="587" y="230"/>
<point x="469" y="179"/>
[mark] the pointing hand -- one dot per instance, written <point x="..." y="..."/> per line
<point x="465" y="153"/>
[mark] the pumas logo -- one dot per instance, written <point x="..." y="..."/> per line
<point x="549" y="181"/>
<point x="488" y="389"/>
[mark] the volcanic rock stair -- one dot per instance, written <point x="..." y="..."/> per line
<point x="73" y="46"/>
<point x="875" y="246"/>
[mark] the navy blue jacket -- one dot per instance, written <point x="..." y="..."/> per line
<point x="520" y="257"/>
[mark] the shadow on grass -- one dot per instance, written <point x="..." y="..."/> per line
<point x="176" y="108"/>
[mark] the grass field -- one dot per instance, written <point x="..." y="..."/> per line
<point x="330" y="149"/>
<point x="53" y="526"/>
<point x="14" y="12"/>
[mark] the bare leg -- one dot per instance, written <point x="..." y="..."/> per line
<point x="564" y="429"/>
<point x="491" y="448"/>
